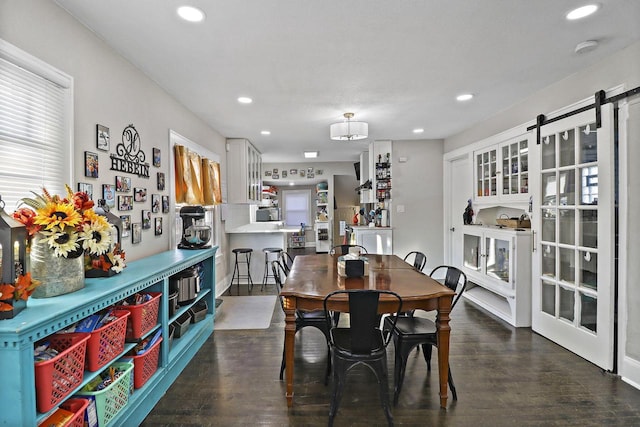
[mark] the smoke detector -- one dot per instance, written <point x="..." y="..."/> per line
<point x="586" y="46"/>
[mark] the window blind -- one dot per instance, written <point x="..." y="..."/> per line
<point x="296" y="206"/>
<point x="35" y="122"/>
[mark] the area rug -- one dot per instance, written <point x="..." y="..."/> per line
<point x="245" y="312"/>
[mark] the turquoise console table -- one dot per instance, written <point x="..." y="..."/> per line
<point x="43" y="317"/>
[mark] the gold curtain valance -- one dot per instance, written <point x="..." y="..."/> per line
<point x="197" y="178"/>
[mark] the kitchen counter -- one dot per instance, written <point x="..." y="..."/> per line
<point x="263" y="227"/>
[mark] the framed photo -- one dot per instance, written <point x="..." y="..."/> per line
<point x="301" y="173"/>
<point x="86" y="188"/>
<point x="158" y="226"/>
<point x="146" y="219"/>
<point x="109" y="195"/>
<point x="267" y="173"/>
<point x="155" y="203"/>
<point x="284" y="173"/>
<point x="123" y="184"/>
<point x="156" y="157"/>
<point x="165" y="204"/>
<point x="136" y="232"/>
<point x="90" y="164"/>
<point x="310" y="175"/>
<point x="160" y="181"/>
<point x="319" y="171"/>
<point x="275" y="171"/>
<point x="102" y="138"/>
<point x="139" y="194"/>
<point x="275" y="176"/>
<point x="126" y="225"/>
<point x="293" y="171"/>
<point x="309" y="171"/>
<point x="125" y="203"/>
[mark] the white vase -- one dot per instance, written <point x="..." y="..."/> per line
<point x="57" y="275"/>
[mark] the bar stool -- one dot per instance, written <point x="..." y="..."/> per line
<point x="236" y="268"/>
<point x="268" y="272"/>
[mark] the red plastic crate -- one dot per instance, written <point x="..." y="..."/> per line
<point x="58" y="377"/>
<point x="106" y="343"/>
<point x="145" y="365"/>
<point x="143" y="316"/>
<point x="77" y="406"/>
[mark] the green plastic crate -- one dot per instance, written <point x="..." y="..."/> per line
<point x="112" y="399"/>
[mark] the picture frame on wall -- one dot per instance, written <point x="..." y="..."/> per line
<point x="90" y="164"/>
<point x="293" y="171"/>
<point x="156" y="157"/>
<point x="155" y="203"/>
<point x="139" y="194"/>
<point x="125" y="203"/>
<point x="126" y="225"/>
<point x="136" y="232"/>
<point x="109" y="195"/>
<point x="160" y="181"/>
<point x="86" y="187"/>
<point x="165" y="204"/>
<point x="102" y="138"/>
<point x="123" y="184"/>
<point x="146" y="219"/>
<point x="284" y="173"/>
<point x="158" y="226"/>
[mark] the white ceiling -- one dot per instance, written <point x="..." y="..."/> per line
<point x="397" y="65"/>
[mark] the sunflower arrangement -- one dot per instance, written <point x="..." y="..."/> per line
<point x="68" y="225"/>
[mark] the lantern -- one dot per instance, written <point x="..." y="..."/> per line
<point x="13" y="254"/>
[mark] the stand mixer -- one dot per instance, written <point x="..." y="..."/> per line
<point x="195" y="233"/>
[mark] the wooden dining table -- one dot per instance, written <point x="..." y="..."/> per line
<point x="313" y="277"/>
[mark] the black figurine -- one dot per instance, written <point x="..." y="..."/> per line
<point x="467" y="216"/>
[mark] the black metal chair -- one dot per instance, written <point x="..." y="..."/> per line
<point x="286" y="260"/>
<point x="344" y="249"/>
<point x="419" y="260"/>
<point x="362" y="343"/>
<point x="314" y="318"/>
<point x="410" y="331"/>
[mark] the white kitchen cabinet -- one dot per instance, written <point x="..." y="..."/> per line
<point x="244" y="172"/>
<point x="367" y="195"/>
<point x="374" y="239"/>
<point x="497" y="262"/>
<point x="502" y="171"/>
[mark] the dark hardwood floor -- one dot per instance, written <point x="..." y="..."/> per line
<point x="504" y="377"/>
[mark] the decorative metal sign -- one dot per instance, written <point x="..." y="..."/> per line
<point x="129" y="156"/>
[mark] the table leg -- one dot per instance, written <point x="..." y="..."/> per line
<point x="289" y="345"/>
<point x="442" y="322"/>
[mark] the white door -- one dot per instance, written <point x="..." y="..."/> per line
<point x="573" y="277"/>
<point x="458" y="190"/>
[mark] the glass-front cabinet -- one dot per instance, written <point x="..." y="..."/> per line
<point x="498" y="267"/>
<point x="502" y="171"/>
<point x="244" y="172"/>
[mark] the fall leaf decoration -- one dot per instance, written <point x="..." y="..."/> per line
<point x="22" y="290"/>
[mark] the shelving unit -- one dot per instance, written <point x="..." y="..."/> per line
<point x="383" y="180"/>
<point x="44" y="317"/>
<point x="297" y="240"/>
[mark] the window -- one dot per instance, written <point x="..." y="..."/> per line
<point x="296" y="206"/>
<point x="35" y="126"/>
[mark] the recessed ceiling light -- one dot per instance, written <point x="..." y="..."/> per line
<point x="190" y="13"/>
<point x="265" y="132"/>
<point x="464" y="97"/>
<point x="581" y="12"/>
<point x="310" y="154"/>
<point x="418" y="130"/>
<point x="245" y="100"/>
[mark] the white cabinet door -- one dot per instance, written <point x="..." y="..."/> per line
<point x="375" y="240"/>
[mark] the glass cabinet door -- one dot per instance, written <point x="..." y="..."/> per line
<point x="471" y="247"/>
<point x="515" y="167"/>
<point x="497" y="258"/>
<point x="486" y="169"/>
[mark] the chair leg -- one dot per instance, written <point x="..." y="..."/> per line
<point x="426" y="352"/>
<point x="383" y="383"/>
<point x="400" y="367"/>
<point x="328" y="371"/>
<point x="339" y="377"/>
<point x="452" y="386"/>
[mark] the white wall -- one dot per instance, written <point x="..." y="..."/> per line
<point x="110" y="91"/>
<point x="417" y="185"/>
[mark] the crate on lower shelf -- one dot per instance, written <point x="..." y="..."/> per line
<point x="145" y="365"/>
<point x="114" y="397"/>
<point x="198" y="311"/>
<point x="76" y="407"/>
<point x="182" y="324"/>
<point x="57" y="377"/>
